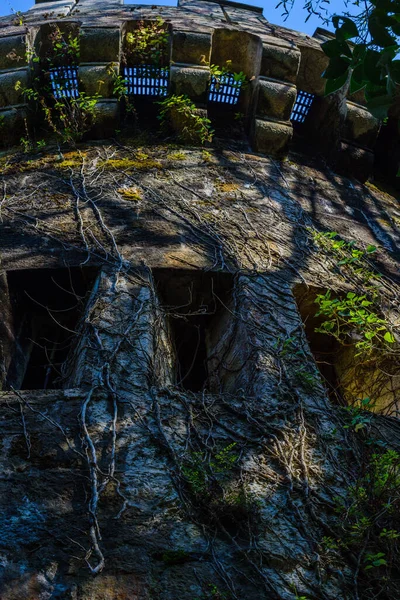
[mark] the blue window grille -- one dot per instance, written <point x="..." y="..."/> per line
<point x="224" y="89"/>
<point x="64" y="82"/>
<point x="301" y="106"/>
<point x="146" y="80"/>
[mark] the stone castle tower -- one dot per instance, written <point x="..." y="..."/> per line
<point x="199" y="366"/>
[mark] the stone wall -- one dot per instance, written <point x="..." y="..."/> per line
<point x="123" y="484"/>
<point x="194" y="440"/>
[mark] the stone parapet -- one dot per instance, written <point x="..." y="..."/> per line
<point x="227" y="34"/>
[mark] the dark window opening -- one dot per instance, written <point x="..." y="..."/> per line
<point x="325" y="348"/>
<point x="224" y="90"/>
<point x="301" y="107"/>
<point x="146" y="80"/>
<point x="196" y="305"/>
<point x="64" y="82"/>
<point x="47" y="305"/>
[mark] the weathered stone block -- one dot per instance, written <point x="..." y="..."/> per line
<point x="60" y="8"/>
<point x="100" y="44"/>
<point x="243" y="49"/>
<point x="107" y="119"/>
<point x="271" y="137"/>
<point x="98" y="79"/>
<point x="190" y="47"/>
<point x="182" y="124"/>
<point x="12" y="125"/>
<point x="360" y="126"/>
<point x="355" y="162"/>
<point x="192" y="81"/>
<point x="10" y="91"/>
<point x="280" y="60"/>
<point x="312" y="65"/>
<point x="13" y="52"/>
<point x="275" y="99"/>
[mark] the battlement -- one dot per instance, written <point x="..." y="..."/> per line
<point x="278" y="64"/>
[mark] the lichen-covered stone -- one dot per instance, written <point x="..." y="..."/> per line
<point x="275" y="99"/>
<point x="272" y="137"/>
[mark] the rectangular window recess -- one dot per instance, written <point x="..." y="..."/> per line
<point x="146" y="80"/>
<point x="301" y="107"/>
<point x="64" y="82"/>
<point x="325" y="348"/>
<point x="195" y="304"/>
<point x="224" y="90"/>
<point x="47" y="305"/>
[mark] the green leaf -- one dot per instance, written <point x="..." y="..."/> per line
<point x="337" y="67"/>
<point x="359" y="52"/>
<point x="372" y="71"/>
<point x="369" y="335"/>
<point x="357" y="82"/>
<point x="379" y="33"/>
<point x="334" y="48"/>
<point x="380" y="105"/>
<point x="371" y="249"/>
<point x="347" y="30"/>
<point x="333" y="85"/>
<point x="388" y="337"/>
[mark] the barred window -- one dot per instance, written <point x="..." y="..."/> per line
<point x="64" y="82"/>
<point x="301" y="107"/>
<point x="146" y="80"/>
<point x="224" y="89"/>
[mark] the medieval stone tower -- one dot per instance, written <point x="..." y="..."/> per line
<point x="199" y="366"/>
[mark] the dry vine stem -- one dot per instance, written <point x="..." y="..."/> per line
<point x="253" y="473"/>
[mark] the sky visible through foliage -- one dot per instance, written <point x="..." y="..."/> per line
<point x="296" y="19"/>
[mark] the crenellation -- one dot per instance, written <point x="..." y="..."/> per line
<point x="275" y="60"/>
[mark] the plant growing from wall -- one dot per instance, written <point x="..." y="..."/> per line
<point x="66" y="112"/>
<point x="181" y="113"/>
<point x="218" y="73"/>
<point x="147" y="44"/>
<point x="369" y="517"/>
<point x="349" y="257"/>
<point x="353" y="314"/>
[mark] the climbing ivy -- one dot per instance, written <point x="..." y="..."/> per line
<point x="352" y="314"/>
